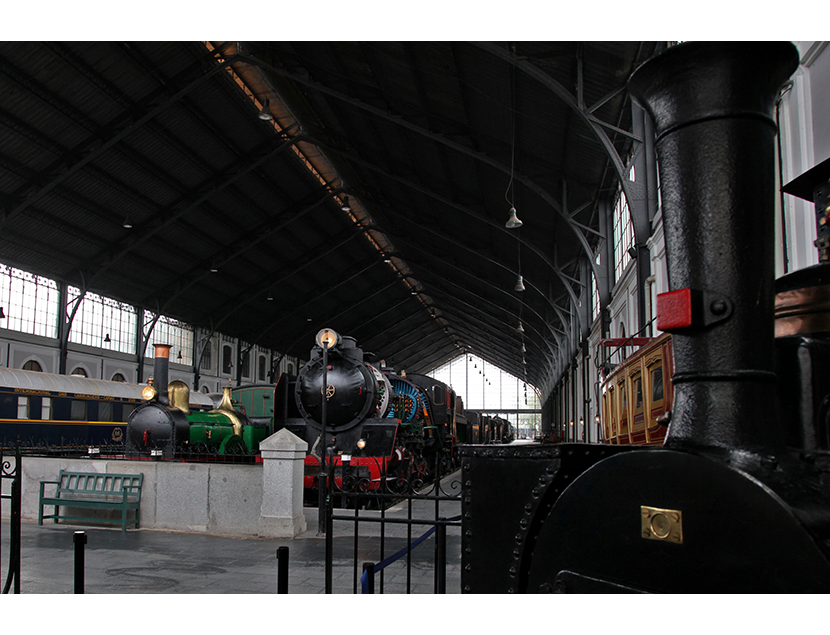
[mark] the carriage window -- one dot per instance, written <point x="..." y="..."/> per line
<point x="46" y="408"/>
<point x="638" y="393"/>
<point x="105" y="411"/>
<point x="22" y="407"/>
<point x="78" y="410"/>
<point x="437" y="395"/>
<point x="657" y="384"/>
<point x="623" y="401"/>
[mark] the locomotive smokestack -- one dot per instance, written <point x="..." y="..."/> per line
<point x="160" y="370"/>
<point x="712" y="104"/>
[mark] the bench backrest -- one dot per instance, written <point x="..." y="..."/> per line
<point x="94" y="482"/>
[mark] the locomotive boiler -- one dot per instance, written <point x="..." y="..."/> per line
<point x="737" y="500"/>
<point x="382" y="423"/>
<point x="164" y="425"/>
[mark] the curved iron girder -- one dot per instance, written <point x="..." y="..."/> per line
<point x="553" y="351"/>
<point x="427" y="192"/>
<point x="444" y="236"/>
<point x="391" y="325"/>
<point x="244" y="298"/>
<point x="477" y="315"/>
<point x="130" y="244"/>
<point x="200" y="271"/>
<point x="397" y="119"/>
<point x="310" y="333"/>
<point x="469" y="274"/>
<point x="585" y="114"/>
<point x="505" y="355"/>
<point x="328" y="289"/>
<point x="95" y="145"/>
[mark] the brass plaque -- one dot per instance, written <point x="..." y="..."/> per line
<point x="662" y="524"/>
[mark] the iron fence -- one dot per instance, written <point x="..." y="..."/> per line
<point x="400" y="500"/>
<point x="10" y="490"/>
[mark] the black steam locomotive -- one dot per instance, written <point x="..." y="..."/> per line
<point x="383" y="423"/>
<point x="165" y="425"/>
<point x="738" y="498"/>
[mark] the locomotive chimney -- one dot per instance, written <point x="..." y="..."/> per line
<point x="160" y="370"/>
<point x="712" y="104"/>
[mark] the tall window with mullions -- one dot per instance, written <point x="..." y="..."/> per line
<point x="101" y="322"/>
<point x="623" y="232"/>
<point x="30" y="302"/>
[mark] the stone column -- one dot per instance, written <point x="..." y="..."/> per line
<point x="283" y="457"/>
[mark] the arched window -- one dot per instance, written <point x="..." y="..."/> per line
<point x="79" y="372"/>
<point x="261" y="371"/>
<point x="290" y="369"/>
<point x="119" y="377"/>
<point x="33" y="365"/>
<point x="227" y="353"/>
<point x="204" y="389"/>
<point x="622" y="329"/>
<point x="206" y="358"/>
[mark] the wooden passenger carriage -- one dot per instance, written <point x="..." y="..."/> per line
<point x="637" y="393"/>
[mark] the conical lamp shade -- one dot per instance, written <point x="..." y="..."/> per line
<point x="513" y="222"/>
<point x="520" y="286"/>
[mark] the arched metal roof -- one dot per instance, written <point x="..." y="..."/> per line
<point x="432" y="143"/>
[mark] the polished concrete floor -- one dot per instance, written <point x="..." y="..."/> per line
<point x="160" y="562"/>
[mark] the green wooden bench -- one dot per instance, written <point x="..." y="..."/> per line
<point x="93" y="490"/>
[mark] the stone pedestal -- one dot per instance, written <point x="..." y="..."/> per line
<point x="283" y="457"/>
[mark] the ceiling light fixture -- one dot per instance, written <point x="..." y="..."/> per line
<point x="521" y="328"/>
<point x="2" y="314"/>
<point x="107" y="338"/>
<point x="346" y="207"/>
<point x="513" y="221"/>
<point x="519" y="284"/>
<point x="265" y="113"/>
<point x="127" y="224"/>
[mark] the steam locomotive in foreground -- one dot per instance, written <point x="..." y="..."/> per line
<point x="737" y="499"/>
<point x="164" y="425"/>
<point x="384" y="424"/>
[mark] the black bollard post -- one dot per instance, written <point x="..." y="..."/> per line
<point x="79" y="538"/>
<point x="441" y="558"/>
<point x="282" y="570"/>
<point x="369" y="570"/>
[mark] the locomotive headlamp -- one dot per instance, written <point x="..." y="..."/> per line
<point x="326" y="338"/>
<point x="361" y="443"/>
<point x="148" y="393"/>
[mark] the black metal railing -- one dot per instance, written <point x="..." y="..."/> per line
<point x="10" y="490"/>
<point x="78" y="449"/>
<point x="414" y="494"/>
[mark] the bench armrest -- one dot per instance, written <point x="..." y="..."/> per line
<point x="43" y="483"/>
<point x="128" y="489"/>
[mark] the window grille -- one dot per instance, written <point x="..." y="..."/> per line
<point x="31" y="303"/>
<point x="169" y="331"/>
<point x="102" y="322"/>
<point x="623" y="231"/>
<point x="207" y="357"/>
<point x="594" y="294"/>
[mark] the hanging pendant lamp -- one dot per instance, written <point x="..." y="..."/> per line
<point x="513" y="221"/>
<point x="520" y="286"/>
